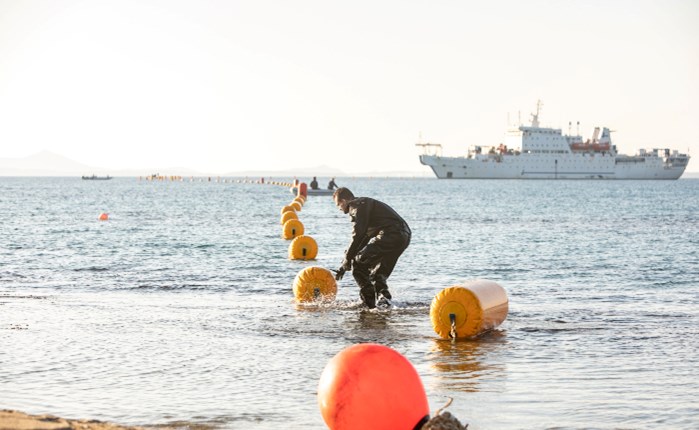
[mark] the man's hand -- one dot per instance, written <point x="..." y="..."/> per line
<point x="339" y="273"/>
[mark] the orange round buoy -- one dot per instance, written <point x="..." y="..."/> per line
<point x="303" y="248"/>
<point x="467" y="310"/>
<point x="104" y="216"/>
<point x="314" y="283"/>
<point x="287" y="208"/>
<point x="286" y="216"/>
<point x="369" y="386"/>
<point x="300" y="199"/>
<point x="292" y="228"/>
<point x="296" y="205"/>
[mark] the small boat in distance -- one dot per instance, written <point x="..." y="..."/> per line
<point x="97" y="178"/>
<point x="316" y="192"/>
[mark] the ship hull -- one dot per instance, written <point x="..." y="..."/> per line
<point x="543" y="166"/>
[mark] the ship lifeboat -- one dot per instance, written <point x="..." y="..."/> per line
<point x="592" y="147"/>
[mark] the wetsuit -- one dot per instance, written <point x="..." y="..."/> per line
<point x="314" y="184"/>
<point x="332" y="185"/>
<point x="379" y="237"/>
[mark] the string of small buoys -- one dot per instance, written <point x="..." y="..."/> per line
<point x="217" y="179"/>
<point x="302" y="246"/>
<point x="314" y="282"/>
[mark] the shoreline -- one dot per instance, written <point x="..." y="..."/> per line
<point x="17" y="420"/>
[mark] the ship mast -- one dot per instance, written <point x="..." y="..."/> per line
<point x="535" y="116"/>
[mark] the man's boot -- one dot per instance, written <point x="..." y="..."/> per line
<point x="381" y="287"/>
<point x="368" y="295"/>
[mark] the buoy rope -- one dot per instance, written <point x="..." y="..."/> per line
<point x="444" y="421"/>
<point x="449" y="402"/>
<point x="452" y="331"/>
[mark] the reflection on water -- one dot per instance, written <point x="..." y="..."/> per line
<point x="463" y="364"/>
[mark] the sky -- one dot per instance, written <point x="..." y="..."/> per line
<point x="226" y="86"/>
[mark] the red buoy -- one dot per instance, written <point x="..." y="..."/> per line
<point x="104" y="216"/>
<point x="302" y="190"/>
<point x="369" y="386"/>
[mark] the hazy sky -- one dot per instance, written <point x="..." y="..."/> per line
<point x="223" y="86"/>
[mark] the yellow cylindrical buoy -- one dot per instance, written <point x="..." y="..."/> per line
<point x="300" y="199"/>
<point x="467" y="310"/>
<point x="296" y="205"/>
<point x="103" y="216"/>
<point x="303" y="248"/>
<point x="313" y="283"/>
<point x="286" y="216"/>
<point x="292" y="228"/>
<point x="287" y="208"/>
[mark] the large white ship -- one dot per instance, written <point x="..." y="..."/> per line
<point x="534" y="152"/>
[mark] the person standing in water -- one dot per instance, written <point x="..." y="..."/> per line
<point x="379" y="237"/>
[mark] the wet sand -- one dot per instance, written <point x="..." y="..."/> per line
<point x="15" y="420"/>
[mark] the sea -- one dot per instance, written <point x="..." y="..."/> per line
<point x="178" y="310"/>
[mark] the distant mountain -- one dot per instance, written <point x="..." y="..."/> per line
<point x="46" y="163"/>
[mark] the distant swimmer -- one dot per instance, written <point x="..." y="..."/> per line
<point x="314" y="184"/>
<point x="332" y="185"/>
<point x="379" y="237"/>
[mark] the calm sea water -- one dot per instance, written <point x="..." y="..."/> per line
<point x="179" y="308"/>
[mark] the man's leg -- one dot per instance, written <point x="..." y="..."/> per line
<point x="360" y="271"/>
<point x="383" y="271"/>
<point x="393" y="246"/>
<point x="377" y="260"/>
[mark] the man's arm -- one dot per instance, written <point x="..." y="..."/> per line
<point x="360" y="224"/>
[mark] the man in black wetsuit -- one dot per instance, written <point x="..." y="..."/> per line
<point x="379" y="237"/>
<point x="314" y="184"/>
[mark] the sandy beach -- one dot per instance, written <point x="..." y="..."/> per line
<point x="16" y="420"/>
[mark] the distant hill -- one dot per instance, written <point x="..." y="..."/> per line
<point x="46" y="163"/>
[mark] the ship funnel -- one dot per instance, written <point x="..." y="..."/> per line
<point x="595" y="134"/>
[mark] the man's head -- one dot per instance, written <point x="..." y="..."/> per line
<point x="342" y="197"/>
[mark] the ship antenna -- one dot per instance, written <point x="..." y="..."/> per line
<point x="535" y="116"/>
